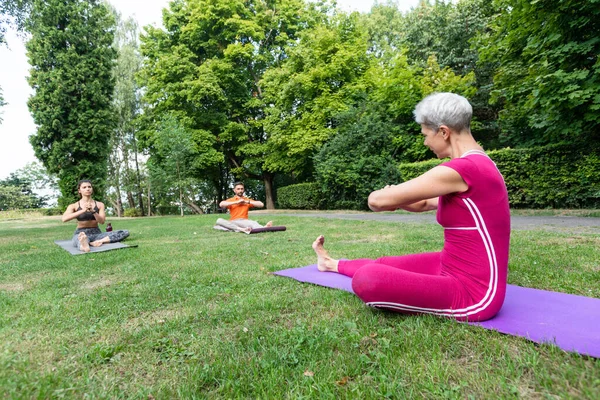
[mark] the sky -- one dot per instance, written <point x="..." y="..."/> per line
<point x="17" y="124"/>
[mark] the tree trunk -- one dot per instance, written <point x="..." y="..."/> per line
<point x="137" y="176"/>
<point x="197" y="209"/>
<point x="119" y="204"/>
<point x="180" y="190"/>
<point x="130" y="199"/>
<point x="149" y="208"/>
<point x="269" y="194"/>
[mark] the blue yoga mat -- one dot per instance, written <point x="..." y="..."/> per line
<point x="565" y="320"/>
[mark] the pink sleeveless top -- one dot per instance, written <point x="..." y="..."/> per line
<point x="476" y="235"/>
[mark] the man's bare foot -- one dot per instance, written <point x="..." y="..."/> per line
<point x="269" y="224"/>
<point x="324" y="262"/>
<point x="84" y="242"/>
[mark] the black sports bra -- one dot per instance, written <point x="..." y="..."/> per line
<point x="87" y="216"/>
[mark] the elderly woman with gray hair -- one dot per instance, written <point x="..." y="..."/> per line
<point x="466" y="280"/>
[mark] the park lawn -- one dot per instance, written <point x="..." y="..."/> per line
<point x="196" y="313"/>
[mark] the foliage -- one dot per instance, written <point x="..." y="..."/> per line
<point x="16" y="192"/>
<point x="300" y="196"/>
<point x="358" y="160"/>
<point x="71" y="57"/>
<point x="548" y="78"/>
<point x="450" y="32"/>
<point x="410" y="171"/>
<point x="38" y="177"/>
<point x="318" y="80"/>
<point x="13" y="12"/>
<point x="398" y="86"/>
<point x="175" y="151"/>
<point x="553" y="176"/>
<point x="132" y="212"/>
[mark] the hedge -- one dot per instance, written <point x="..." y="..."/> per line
<point x="554" y="176"/>
<point x="301" y="196"/>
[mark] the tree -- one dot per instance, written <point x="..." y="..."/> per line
<point x="38" y="177"/>
<point x="451" y="32"/>
<point x="548" y="78"/>
<point x="13" y="12"/>
<point x="123" y="162"/>
<point x="208" y="66"/>
<point x="358" y="159"/>
<point x="71" y="55"/>
<point x="170" y="165"/>
<point x="16" y="192"/>
<point x="320" y="79"/>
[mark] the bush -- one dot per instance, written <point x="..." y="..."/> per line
<point x="554" y="176"/>
<point x="358" y="159"/>
<point x="412" y="170"/>
<point x="132" y="212"/>
<point x="51" y="211"/>
<point x="302" y="196"/>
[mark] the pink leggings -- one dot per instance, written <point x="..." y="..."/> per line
<point x="411" y="283"/>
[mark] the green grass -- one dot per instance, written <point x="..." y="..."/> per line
<point x="196" y="313"/>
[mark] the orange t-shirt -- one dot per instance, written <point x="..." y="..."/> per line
<point x="239" y="211"/>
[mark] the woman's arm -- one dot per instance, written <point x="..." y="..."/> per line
<point x="71" y="212"/>
<point x="101" y="214"/>
<point x="419" y="194"/>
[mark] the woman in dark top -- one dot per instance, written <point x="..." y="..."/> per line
<point x="89" y="213"/>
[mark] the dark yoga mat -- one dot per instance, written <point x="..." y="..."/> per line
<point x="568" y="321"/>
<point x="268" y="229"/>
<point x="68" y="246"/>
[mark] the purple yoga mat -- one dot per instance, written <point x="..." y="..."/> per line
<point x="570" y="322"/>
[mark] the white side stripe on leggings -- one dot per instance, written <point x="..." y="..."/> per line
<point x="492" y="284"/>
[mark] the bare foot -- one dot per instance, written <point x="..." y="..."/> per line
<point x="98" y="243"/>
<point x="84" y="242"/>
<point x="269" y="224"/>
<point x="324" y="262"/>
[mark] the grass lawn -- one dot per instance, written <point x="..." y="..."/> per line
<point x="196" y="313"/>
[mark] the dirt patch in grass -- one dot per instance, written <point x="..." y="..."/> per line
<point x="97" y="284"/>
<point x="12" y="287"/>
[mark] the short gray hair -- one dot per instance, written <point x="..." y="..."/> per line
<point x="448" y="109"/>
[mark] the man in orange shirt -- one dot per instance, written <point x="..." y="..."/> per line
<point x="238" y="207"/>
